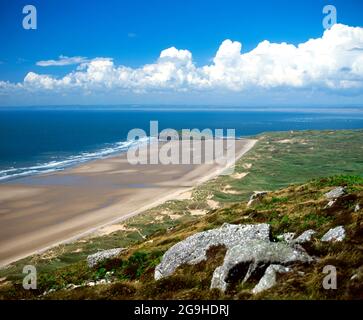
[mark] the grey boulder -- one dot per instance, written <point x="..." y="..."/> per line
<point x="256" y="254"/>
<point x="269" y="278"/>
<point x="306" y="236"/>
<point x="288" y="237"/>
<point x="98" y="257"/>
<point x="193" y="249"/>
<point x="335" y="193"/>
<point x="336" y="234"/>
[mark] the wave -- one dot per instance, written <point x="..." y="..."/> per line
<point x="72" y="160"/>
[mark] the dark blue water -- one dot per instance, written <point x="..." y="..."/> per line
<point x="43" y="140"/>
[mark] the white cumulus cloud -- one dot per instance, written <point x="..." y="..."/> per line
<point x="62" y="61"/>
<point x="332" y="62"/>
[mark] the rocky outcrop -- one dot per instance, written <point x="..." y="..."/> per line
<point x="306" y="236"/>
<point x="249" y="251"/>
<point x="256" y="197"/>
<point x="98" y="257"/>
<point x="336" y="234"/>
<point x="193" y="249"/>
<point x="253" y="255"/>
<point x="335" y="193"/>
<point x="269" y="278"/>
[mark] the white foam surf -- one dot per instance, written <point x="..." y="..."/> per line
<point x="69" y="161"/>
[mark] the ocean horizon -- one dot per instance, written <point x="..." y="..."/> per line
<point x="46" y="139"/>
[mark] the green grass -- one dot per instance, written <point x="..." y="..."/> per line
<point x="308" y="155"/>
<point x="351" y="182"/>
<point x="299" y="207"/>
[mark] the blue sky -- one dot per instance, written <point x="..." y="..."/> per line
<point x="133" y="34"/>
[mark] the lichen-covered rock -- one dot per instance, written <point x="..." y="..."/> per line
<point x="305" y="236"/>
<point x="255" y="254"/>
<point x="269" y="278"/>
<point x="256" y="197"/>
<point x="335" y="193"/>
<point x="336" y="234"/>
<point x="193" y="249"/>
<point x="96" y="258"/>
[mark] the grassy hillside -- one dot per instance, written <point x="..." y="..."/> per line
<point x="280" y="162"/>
<point x="283" y="158"/>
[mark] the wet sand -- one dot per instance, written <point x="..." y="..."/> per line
<point x="39" y="212"/>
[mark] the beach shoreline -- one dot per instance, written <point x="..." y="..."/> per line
<point x="44" y="211"/>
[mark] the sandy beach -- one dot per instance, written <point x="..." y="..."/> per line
<point x="41" y="211"/>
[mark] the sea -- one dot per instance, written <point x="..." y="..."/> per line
<point x="35" y="140"/>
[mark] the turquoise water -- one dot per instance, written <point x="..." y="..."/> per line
<point x="38" y="140"/>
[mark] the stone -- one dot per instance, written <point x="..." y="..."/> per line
<point x="335" y="193"/>
<point x="269" y="278"/>
<point x="305" y="236"/>
<point x="330" y="204"/>
<point x="48" y="292"/>
<point x="72" y="286"/>
<point x="255" y="197"/>
<point x="287" y="237"/>
<point x="256" y="254"/>
<point x="336" y="234"/>
<point x="354" y="276"/>
<point x="96" y="283"/>
<point x="193" y="249"/>
<point x="96" y="258"/>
